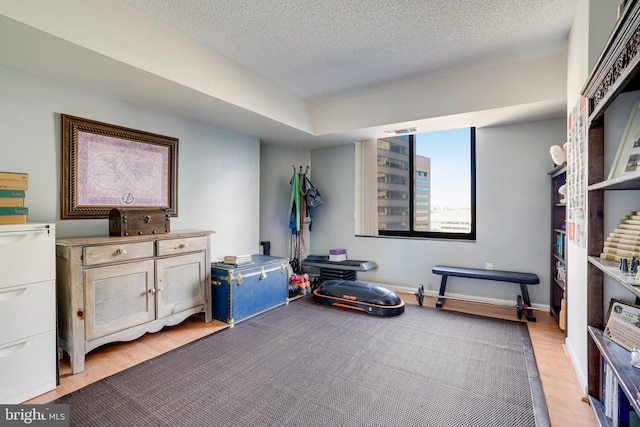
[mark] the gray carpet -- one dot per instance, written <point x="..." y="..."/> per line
<point x="305" y="364"/>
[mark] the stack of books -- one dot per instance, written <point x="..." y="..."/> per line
<point x="237" y="259"/>
<point x="623" y="241"/>
<point x="13" y="186"/>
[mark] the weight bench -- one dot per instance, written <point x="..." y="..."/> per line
<point x="523" y="302"/>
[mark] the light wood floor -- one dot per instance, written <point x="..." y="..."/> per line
<point x="559" y="381"/>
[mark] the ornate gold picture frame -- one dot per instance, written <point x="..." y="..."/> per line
<point x="106" y="166"/>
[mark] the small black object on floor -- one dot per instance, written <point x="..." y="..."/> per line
<point x="362" y="296"/>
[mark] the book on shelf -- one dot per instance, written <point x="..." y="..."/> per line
<point x="13" y="219"/>
<point x="14" y="176"/>
<point x="13" y="185"/>
<point x="621" y="252"/>
<point x="625" y="226"/>
<point x="11" y="194"/>
<point x="624" y="409"/>
<point x="603" y="378"/>
<point x="609" y="391"/>
<point x="12" y="202"/>
<point x="14" y="211"/>
<point x="614" y="401"/>
<point x="609" y="257"/>
<point x="625" y="246"/>
<point x="560" y="245"/>
<point x="12" y="198"/>
<point x="624" y="239"/>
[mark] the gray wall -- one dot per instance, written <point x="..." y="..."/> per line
<point x="512" y="215"/>
<point x="218" y="171"/>
<point x="229" y="184"/>
<point x="276" y="170"/>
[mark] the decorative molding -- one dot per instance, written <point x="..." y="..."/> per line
<point x="619" y="56"/>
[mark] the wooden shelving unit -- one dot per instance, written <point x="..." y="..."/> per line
<point x="617" y="71"/>
<point x="558" y="276"/>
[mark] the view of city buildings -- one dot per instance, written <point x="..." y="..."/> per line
<point x="394" y="186"/>
<point x="394" y="180"/>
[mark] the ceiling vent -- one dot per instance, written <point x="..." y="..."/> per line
<point x="404" y="131"/>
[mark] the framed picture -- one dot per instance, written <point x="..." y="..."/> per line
<point x="622" y="324"/>
<point x="106" y="166"/>
<point x="628" y="155"/>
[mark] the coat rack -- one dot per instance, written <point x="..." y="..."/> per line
<point x="301" y="213"/>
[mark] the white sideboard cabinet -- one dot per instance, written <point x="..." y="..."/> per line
<point x="28" y="356"/>
<point x="119" y="288"/>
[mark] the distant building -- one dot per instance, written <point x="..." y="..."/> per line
<point x="394" y="186"/>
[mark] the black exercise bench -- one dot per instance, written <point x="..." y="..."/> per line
<point x="523" y="302"/>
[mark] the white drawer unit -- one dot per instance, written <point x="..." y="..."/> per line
<point x="26" y="254"/>
<point x="28" y="350"/>
<point x="28" y="368"/>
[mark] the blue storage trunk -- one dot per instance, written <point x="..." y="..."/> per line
<point x="240" y="292"/>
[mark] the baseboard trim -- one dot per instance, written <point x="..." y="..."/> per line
<point x="576" y="366"/>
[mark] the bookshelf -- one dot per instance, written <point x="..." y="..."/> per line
<point x="616" y="71"/>
<point x="558" y="279"/>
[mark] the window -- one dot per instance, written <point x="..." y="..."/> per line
<point x="426" y="185"/>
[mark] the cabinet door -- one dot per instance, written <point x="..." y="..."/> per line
<point x="118" y="297"/>
<point x="181" y="282"/>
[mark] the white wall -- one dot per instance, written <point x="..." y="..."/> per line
<point x="591" y="27"/>
<point x="512" y="216"/>
<point x="218" y="171"/>
<point x="276" y="170"/>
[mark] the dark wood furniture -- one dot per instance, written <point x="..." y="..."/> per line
<point x="616" y="71"/>
<point x="558" y="279"/>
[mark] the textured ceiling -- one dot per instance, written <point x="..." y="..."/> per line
<point x="328" y="50"/>
<point x="305" y="73"/>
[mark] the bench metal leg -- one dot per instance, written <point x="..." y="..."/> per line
<point x="443" y="285"/>
<point x="527" y="302"/>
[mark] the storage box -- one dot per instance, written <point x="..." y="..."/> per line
<point x="245" y="291"/>
<point x="337" y="255"/>
<point x="138" y="221"/>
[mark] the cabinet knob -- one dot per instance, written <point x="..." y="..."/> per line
<point x="184" y="245"/>
<point x="152" y="291"/>
<point x="120" y="252"/>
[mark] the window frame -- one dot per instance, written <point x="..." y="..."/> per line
<point x="412" y="233"/>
